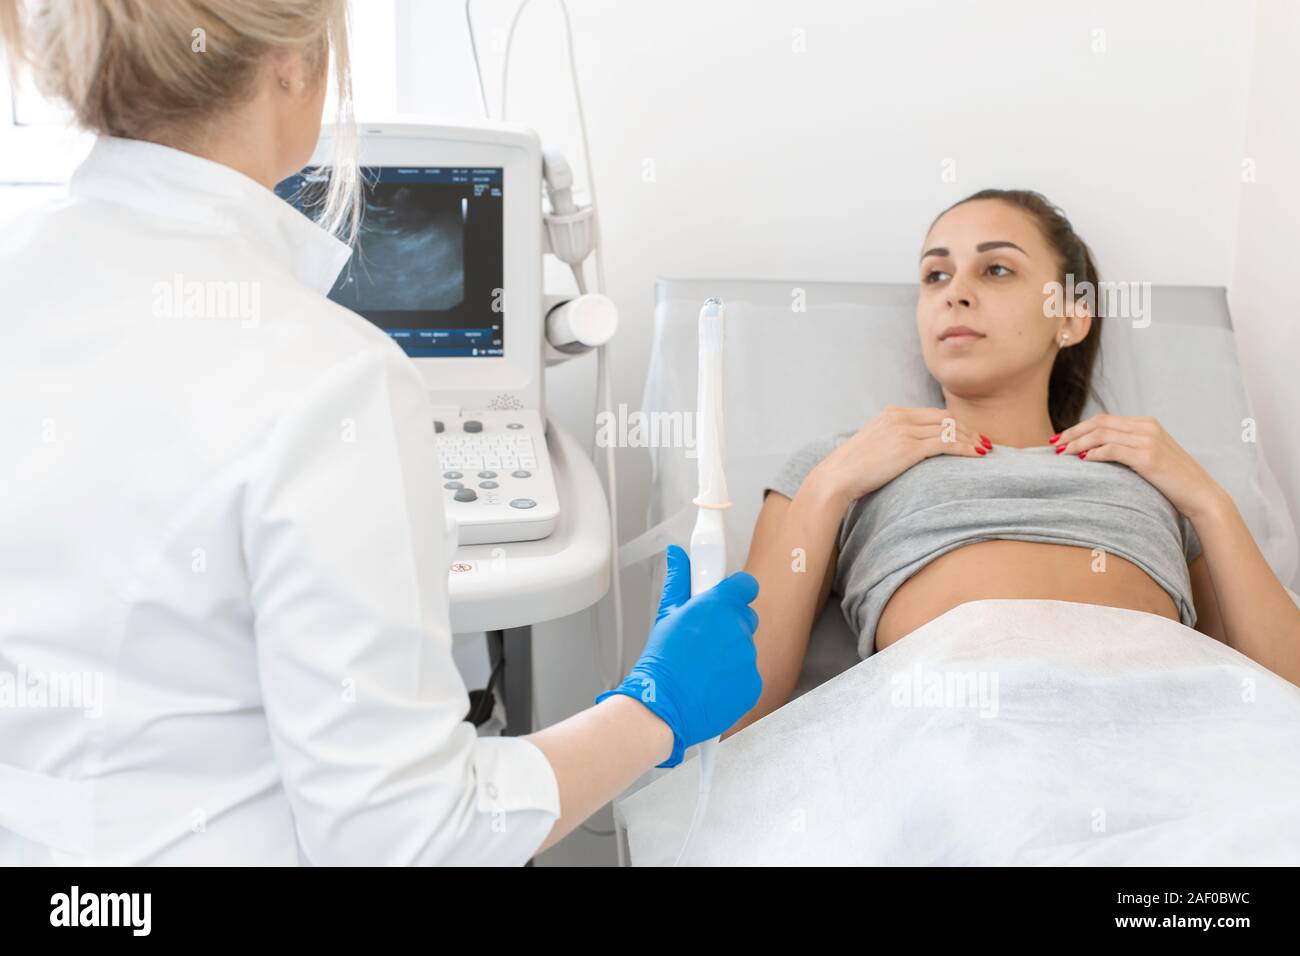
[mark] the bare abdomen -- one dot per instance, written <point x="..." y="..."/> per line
<point x="1018" y="569"/>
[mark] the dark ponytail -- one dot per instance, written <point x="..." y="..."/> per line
<point x="1070" y="382"/>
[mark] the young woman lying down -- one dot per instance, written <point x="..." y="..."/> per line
<point x="1003" y="492"/>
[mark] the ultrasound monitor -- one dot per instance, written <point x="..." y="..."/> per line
<point x="428" y="264"/>
<point x="448" y="262"/>
<point x="448" y="258"/>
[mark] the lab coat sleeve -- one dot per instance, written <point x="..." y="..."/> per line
<point x="347" y="555"/>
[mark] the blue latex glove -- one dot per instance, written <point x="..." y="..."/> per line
<point x="699" y="670"/>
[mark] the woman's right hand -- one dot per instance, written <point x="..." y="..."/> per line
<point x="891" y="443"/>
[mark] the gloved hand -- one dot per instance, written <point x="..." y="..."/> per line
<point x="699" y="669"/>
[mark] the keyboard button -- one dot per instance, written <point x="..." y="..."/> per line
<point x="521" y="503"/>
<point x="487" y="474"/>
<point x="453" y="486"/>
<point x="438" y="427"/>
<point x="452" y="474"/>
<point x="514" y="425"/>
<point x="488" y="484"/>
<point x="473" y="426"/>
<point x="467" y="494"/>
<point x="521" y="474"/>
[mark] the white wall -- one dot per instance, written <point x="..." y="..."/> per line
<point x="1262" y="293"/>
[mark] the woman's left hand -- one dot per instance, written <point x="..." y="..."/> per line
<point x="1143" y="445"/>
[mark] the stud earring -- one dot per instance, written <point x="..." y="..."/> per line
<point x="1065" y="337"/>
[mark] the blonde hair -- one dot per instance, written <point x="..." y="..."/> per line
<point x="128" y="68"/>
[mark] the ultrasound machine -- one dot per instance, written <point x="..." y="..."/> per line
<point x="448" y="261"/>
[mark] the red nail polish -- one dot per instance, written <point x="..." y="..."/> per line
<point x="1060" y="448"/>
<point x="985" y="439"/>
<point x="1083" y="454"/>
<point x="1053" y="438"/>
<point x="979" y="450"/>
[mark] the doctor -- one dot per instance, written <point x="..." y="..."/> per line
<point x="223" y="602"/>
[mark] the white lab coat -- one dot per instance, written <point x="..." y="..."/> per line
<point x="226" y="513"/>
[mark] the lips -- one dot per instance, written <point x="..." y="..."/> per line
<point x="959" y="332"/>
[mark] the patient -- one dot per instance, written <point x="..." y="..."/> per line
<point x="1004" y="492"/>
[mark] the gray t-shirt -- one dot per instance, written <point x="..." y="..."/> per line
<point x="1023" y="494"/>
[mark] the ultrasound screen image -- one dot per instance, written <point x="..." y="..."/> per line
<point x="427" y="266"/>
<point x="404" y="225"/>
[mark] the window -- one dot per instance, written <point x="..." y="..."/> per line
<point x="40" y="147"/>
<point x="38" y="144"/>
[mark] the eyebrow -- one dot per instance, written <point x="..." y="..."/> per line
<point x="982" y="247"/>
